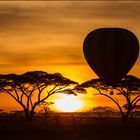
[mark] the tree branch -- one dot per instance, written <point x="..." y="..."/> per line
<point x="135" y="99"/>
<point x="112" y="100"/>
<point x="41" y="100"/>
<point x="16" y="93"/>
<point x="15" y="98"/>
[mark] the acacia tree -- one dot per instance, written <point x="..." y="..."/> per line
<point x="32" y="88"/>
<point x="128" y="87"/>
<point x="103" y="110"/>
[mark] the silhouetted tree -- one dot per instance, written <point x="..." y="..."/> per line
<point x="103" y="111"/>
<point x="128" y="87"/>
<point x="32" y="88"/>
<point x="45" y="107"/>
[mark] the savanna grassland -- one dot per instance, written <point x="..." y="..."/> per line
<point x="68" y="126"/>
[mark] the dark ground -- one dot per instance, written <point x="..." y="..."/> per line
<point x="69" y="128"/>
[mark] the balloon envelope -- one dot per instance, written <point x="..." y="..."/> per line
<point x="111" y="52"/>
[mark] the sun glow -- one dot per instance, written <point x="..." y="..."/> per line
<point x="68" y="103"/>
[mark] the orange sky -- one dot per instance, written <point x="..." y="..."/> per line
<point x="49" y="35"/>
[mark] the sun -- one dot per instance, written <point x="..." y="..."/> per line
<point x="68" y="103"/>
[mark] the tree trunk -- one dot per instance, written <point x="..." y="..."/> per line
<point x="29" y="115"/>
<point x="127" y="115"/>
<point x="26" y="114"/>
<point x="123" y="116"/>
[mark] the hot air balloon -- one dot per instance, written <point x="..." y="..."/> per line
<point x="111" y="52"/>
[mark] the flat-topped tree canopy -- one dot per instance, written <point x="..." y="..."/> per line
<point x="40" y="76"/>
<point x="37" y="77"/>
<point x="129" y="82"/>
